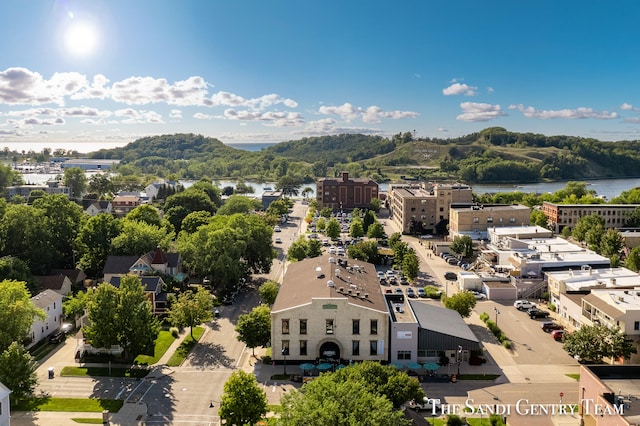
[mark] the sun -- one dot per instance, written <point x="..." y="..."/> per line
<point x="81" y="38"/>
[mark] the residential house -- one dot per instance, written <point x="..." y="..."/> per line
<point x="50" y="301"/>
<point x="153" y="286"/>
<point x="154" y="190"/>
<point x="76" y="276"/>
<point x="123" y="204"/>
<point x="5" y="406"/>
<point x="58" y="282"/>
<point x="147" y="264"/>
<point x="94" y="208"/>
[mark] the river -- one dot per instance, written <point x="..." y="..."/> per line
<point x="606" y="188"/>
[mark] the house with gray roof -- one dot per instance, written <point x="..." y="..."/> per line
<point x="5" y="412"/>
<point x="50" y="301"/>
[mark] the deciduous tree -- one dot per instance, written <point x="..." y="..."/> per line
<point x="17" y="313"/>
<point x="376" y="230"/>
<point x="75" y="179"/>
<point x="18" y="371"/>
<point x="462" y="245"/>
<point x="633" y="260"/>
<point x="332" y="229"/>
<point x="595" y="342"/>
<point x="137" y="325"/>
<point x="191" y="309"/>
<point x="254" y="328"/>
<point x="244" y="402"/>
<point x="93" y="243"/>
<point x="269" y="291"/>
<point x="463" y="303"/>
<point x="411" y="265"/>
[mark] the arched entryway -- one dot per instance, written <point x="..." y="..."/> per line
<point x="329" y="350"/>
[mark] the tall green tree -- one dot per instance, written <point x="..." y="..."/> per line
<point x="17" y="313"/>
<point x="100" y="184"/>
<point x="18" y="371"/>
<point x="411" y="265"/>
<point x="63" y="219"/>
<point x="14" y="269"/>
<point x="356" y="230"/>
<point x="191" y="309"/>
<point x="179" y="205"/>
<point x="538" y="217"/>
<point x="244" y="402"/>
<point x="76" y="181"/>
<point x="462" y="245"/>
<point x="463" y="303"/>
<point x="239" y="204"/>
<point x="137" y="325"/>
<point x="611" y="243"/>
<point x="332" y="229"/>
<point x="376" y="230"/>
<point x="102" y="310"/>
<point x="254" y="328"/>
<point x="74" y="306"/>
<point x="138" y="238"/>
<point x="93" y="243"/>
<point x="145" y="213"/>
<point x="633" y="260"/>
<point x="24" y="234"/>
<point x="585" y="224"/>
<point x="269" y="291"/>
<point x="595" y="342"/>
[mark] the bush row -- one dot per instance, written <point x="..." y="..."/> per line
<point x="493" y="327"/>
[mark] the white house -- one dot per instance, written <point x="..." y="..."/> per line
<point x="50" y="301"/>
<point x="5" y="414"/>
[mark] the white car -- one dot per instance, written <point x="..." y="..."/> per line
<point x="332" y="250"/>
<point x="390" y="273"/>
<point x="277" y="229"/>
<point x="278" y="240"/>
<point x="478" y="295"/>
<point x="523" y="305"/>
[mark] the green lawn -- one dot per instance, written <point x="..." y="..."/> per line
<point x="164" y="340"/>
<point x="88" y="420"/>
<point x="104" y="372"/>
<point x="185" y="347"/>
<point x="478" y="376"/>
<point x="87" y="405"/>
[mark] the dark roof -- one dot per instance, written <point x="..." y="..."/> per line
<point x="75" y="275"/>
<point x="150" y="283"/>
<point x="158" y="257"/>
<point x="51" y="282"/>
<point x="119" y="264"/>
<point x="442" y="320"/>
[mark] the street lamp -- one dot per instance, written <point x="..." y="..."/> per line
<point x="497" y="313"/>
<point x="285" y="352"/>
<point x="459" y="358"/>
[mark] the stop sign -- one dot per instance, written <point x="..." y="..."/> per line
<point x="561" y="394"/>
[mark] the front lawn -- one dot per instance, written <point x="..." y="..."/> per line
<point x="164" y="340"/>
<point x="86" y="405"/>
<point x="185" y="347"/>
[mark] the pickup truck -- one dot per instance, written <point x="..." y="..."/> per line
<point x="428" y="404"/>
<point x="537" y="313"/>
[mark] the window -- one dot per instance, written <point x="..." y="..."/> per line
<point x="512" y="220"/>
<point x="329" y="326"/>
<point x="374" y="326"/>
<point x="303" y="347"/>
<point x="285" y="347"/>
<point x="285" y="326"/>
<point x="355" y="326"/>
<point x="373" y="347"/>
<point x="489" y="220"/>
<point x="355" y="347"/>
<point x="476" y="219"/>
<point x="303" y="326"/>
<point x="404" y="355"/>
<point x="636" y="325"/>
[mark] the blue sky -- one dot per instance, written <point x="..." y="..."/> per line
<point x="110" y="71"/>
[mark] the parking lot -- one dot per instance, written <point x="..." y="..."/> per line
<point x="531" y="344"/>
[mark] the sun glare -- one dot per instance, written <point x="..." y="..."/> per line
<point x="81" y="38"/>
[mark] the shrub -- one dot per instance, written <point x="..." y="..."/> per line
<point x="266" y="359"/>
<point x="507" y="344"/>
<point x="174" y="332"/>
<point x="484" y="317"/>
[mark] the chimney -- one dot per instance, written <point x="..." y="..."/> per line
<point x="345" y="176"/>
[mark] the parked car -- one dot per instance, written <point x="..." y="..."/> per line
<point x="451" y="276"/>
<point x="557" y="335"/>
<point x="548" y="326"/>
<point x="421" y="292"/>
<point x="278" y="240"/>
<point x="57" y="337"/>
<point x="403" y="280"/>
<point x="398" y="291"/>
<point x="452" y="261"/>
<point x="537" y="313"/>
<point x="427" y="404"/>
<point x="380" y="274"/>
<point x="276" y="229"/>
<point x="410" y="292"/>
<point x="478" y="295"/>
<point x="523" y="305"/>
<point x="426" y="237"/>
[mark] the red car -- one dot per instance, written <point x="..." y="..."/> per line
<point x="557" y="335"/>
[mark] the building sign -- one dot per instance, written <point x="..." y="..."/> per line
<point x="329" y="306"/>
<point x="404" y="335"/>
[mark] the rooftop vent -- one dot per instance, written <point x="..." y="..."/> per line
<point x="330" y="284"/>
<point x="366" y="295"/>
<point x="340" y="289"/>
<point x="358" y="293"/>
<point x="332" y="260"/>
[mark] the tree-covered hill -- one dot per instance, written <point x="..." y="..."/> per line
<point x="492" y="155"/>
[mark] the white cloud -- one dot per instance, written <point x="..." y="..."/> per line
<point x="175" y="113"/>
<point x="271" y="118"/>
<point x="460" y="89"/>
<point x="346" y="111"/>
<point x="22" y="86"/>
<point x="490" y="89"/>
<point x="327" y="126"/>
<point x="625" y="106"/>
<point x="572" y="114"/>
<point x="474" y="111"/>
<point x="442" y="129"/>
<point x="372" y="114"/>
<point x="132" y="116"/>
